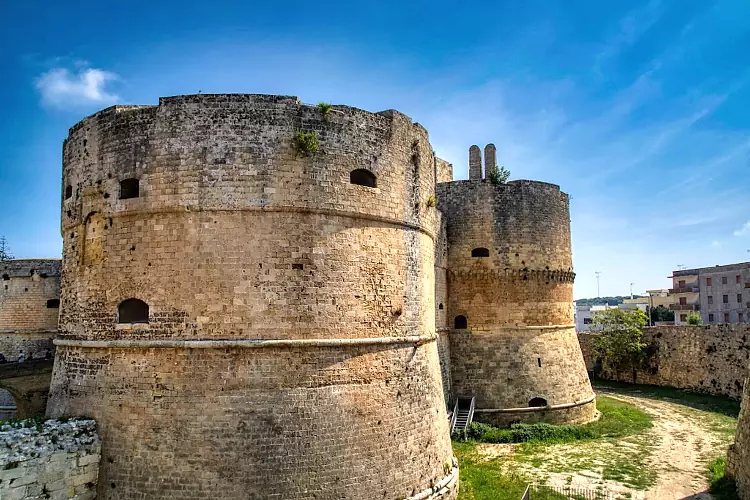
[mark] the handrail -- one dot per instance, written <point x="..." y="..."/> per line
<point x="471" y="411"/>
<point x="453" y="417"/>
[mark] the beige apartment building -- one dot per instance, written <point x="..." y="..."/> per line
<point x="721" y="294"/>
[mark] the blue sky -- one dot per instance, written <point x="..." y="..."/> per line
<point x="640" y="110"/>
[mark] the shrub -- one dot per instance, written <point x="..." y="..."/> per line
<point x="431" y="201"/>
<point x="325" y="108"/>
<point x="498" y="175"/>
<point x="694" y="318"/>
<point x="306" y="142"/>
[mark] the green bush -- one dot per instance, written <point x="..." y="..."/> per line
<point x="306" y="143"/>
<point x="694" y="318"/>
<point x="325" y="108"/>
<point x="498" y="175"/>
<point x="722" y="487"/>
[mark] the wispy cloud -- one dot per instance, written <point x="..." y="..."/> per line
<point x="715" y="244"/>
<point x="61" y="88"/>
<point x="744" y="230"/>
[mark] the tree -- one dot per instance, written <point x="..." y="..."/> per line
<point x="4" y="250"/>
<point x="620" y="340"/>
<point x="661" y="313"/>
<point x="498" y="175"/>
<point x="694" y="318"/>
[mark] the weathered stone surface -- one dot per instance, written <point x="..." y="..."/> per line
<point x="516" y="296"/>
<point x="234" y="235"/>
<point x="57" y="461"/>
<point x="711" y="359"/>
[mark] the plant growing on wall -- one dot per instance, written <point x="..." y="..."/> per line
<point x="431" y="200"/>
<point x="498" y="175"/>
<point x="620" y="342"/>
<point x="325" y="108"/>
<point x="4" y="250"/>
<point x="306" y="142"/>
<point x="694" y="318"/>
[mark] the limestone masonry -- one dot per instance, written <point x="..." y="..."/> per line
<point x="247" y="318"/>
<point x="711" y="359"/>
<point x="58" y="460"/>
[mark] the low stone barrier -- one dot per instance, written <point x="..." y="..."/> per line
<point x="52" y="460"/>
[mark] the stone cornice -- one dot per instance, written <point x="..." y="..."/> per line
<point x="507" y="274"/>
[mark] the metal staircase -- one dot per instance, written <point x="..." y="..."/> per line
<point x="463" y="414"/>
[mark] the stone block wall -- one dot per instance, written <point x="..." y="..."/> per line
<point x="35" y="345"/>
<point x="58" y="461"/>
<point x="710" y="359"/>
<point x="29" y="294"/>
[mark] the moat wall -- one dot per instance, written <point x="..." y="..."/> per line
<point x="711" y="359"/>
<point x="290" y="349"/>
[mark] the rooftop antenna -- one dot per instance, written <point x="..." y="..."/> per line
<point x="631" y="291"/>
<point x="683" y="266"/>
<point x="598" y="293"/>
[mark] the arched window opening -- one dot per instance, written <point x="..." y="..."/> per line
<point x="537" y="403"/>
<point x="53" y="303"/>
<point x="129" y="188"/>
<point x="460" y="323"/>
<point x="480" y="252"/>
<point x="68" y="191"/>
<point x="440" y="306"/>
<point x="132" y="311"/>
<point x="363" y="177"/>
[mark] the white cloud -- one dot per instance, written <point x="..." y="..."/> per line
<point x="744" y="230"/>
<point x="62" y="88"/>
<point x="715" y="244"/>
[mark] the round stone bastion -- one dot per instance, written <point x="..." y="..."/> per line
<point x="246" y="315"/>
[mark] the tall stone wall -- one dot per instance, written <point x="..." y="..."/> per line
<point x="738" y="454"/>
<point x="711" y="359"/>
<point x="26" y="287"/>
<point x="58" y="460"/>
<point x="290" y="349"/>
<point x="510" y="278"/>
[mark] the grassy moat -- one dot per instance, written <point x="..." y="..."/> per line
<point x="649" y="443"/>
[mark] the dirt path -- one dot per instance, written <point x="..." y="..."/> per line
<point x="685" y="445"/>
<point x="667" y="462"/>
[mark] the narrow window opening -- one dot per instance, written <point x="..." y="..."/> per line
<point x="68" y="191"/>
<point x="537" y="402"/>
<point x="297" y="266"/>
<point x="53" y="303"/>
<point x="480" y="252"/>
<point x="129" y="188"/>
<point x="132" y="311"/>
<point x="363" y="177"/>
<point x="440" y="306"/>
<point x="6" y="277"/>
<point x="539" y="361"/>
<point x="460" y="323"/>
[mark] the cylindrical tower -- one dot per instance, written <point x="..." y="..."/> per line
<point x="245" y="316"/>
<point x="738" y="455"/>
<point x="513" y="344"/>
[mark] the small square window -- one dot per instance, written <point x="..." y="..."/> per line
<point x="708" y="281"/>
<point x="681" y="283"/>
<point x="683" y="317"/>
<point x="586" y="321"/>
<point x="683" y="301"/>
<point x="710" y="317"/>
<point x="710" y="299"/>
<point x="723" y="280"/>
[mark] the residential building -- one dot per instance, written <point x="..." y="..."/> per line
<point x="584" y="314"/>
<point x="721" y="294"/>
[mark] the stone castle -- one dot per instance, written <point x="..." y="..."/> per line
<point x="248" y="318"/>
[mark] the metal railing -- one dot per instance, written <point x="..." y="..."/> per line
<point x="541" y="492"/>
<point x="453" y="417"/>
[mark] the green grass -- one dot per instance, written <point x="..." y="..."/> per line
<point x="698" y="401"/>
<point x="483" y="479"/>
<point x="618" y="419"/>
<point x="722" y="487"/>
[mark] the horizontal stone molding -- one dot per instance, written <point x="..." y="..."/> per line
<point x="442" y="487"/>
<point x="559" y="276"/>
<point x="514" y="327"/>
<point x="417" y="340"/>
<point x="269" y="208"/>
<point x="533" y="409"/>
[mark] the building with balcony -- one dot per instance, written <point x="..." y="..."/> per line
<point x="721" y="294"/>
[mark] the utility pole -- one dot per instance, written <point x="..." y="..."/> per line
<point x="598" y="293"/>
<point x="631" y="291"/>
